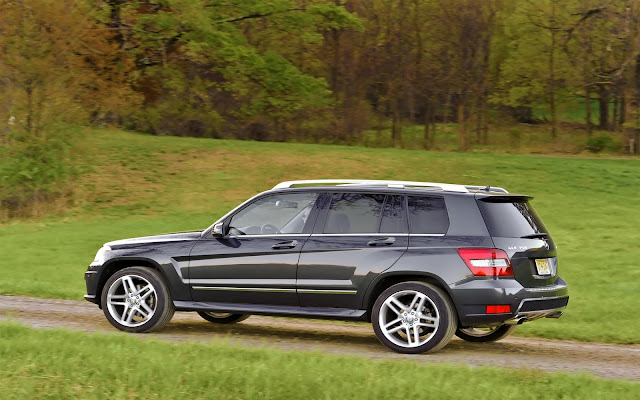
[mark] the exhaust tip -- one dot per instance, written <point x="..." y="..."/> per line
<point x="555" y="315"/>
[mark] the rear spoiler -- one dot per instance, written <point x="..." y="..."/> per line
<point x="502" y="198"/>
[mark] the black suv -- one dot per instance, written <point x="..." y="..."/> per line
<point x="421" y="261"/>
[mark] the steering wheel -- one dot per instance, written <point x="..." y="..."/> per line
<point x="268" y="229"/>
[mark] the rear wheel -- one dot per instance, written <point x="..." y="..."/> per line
<point x="482" y="335"/>
<point x="223" y="318"/>
<point x="137" y="300"/>
<point x="414" y="317"/>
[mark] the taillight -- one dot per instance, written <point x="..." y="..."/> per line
<point x="487" y="262"/>
<point x="499" y="309"/>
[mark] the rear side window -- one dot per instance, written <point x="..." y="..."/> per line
<point x="511" y="219"/>
<point x="354" y="213"/>
<point x="427" y="215"/>
<point x="394" y="219"/>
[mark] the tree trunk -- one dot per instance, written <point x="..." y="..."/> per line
<point x="614" y="114"/>
<point x="604" y="107"/>
<point x="447" y="108"/>
<point x="428" y="125"/>
<point x="462" y="131"/>
<point x="396" y="126"/>
<point x="587" y="107"/>
<point x="552" y="80"/>
<point x="623" y="112"/>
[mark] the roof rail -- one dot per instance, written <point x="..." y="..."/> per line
<point x="330" y="182"/>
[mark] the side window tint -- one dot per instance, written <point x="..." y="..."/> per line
<point x="354" y="213"/>
<point x="394" y="219"/>
<point x="427" y="215"/>
<point x="277" y="214"/>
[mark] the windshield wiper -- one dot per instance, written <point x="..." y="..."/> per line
<point x="540" y="235"/>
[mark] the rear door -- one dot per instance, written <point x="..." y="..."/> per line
<point x="517" y="229"/>
<point x="357" y="236"/>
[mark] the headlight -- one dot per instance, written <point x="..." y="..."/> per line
<point x="100" y="256"/>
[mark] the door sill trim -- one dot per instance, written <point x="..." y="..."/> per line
<point x="274" y="310"/>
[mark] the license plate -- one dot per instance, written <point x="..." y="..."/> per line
<point x="542" y="265"/>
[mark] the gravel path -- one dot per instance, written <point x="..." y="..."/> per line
<point x="603" y="360"/>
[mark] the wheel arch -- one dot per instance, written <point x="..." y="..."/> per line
<point x="119" y="264"/>
<point x="383" y="282"/>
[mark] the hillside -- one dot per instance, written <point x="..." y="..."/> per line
<point x="138" y="184"/>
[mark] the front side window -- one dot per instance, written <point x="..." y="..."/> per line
<point x="427" y="215"/>
<point x="354" y="213"/>
<point x="277" y="214"/>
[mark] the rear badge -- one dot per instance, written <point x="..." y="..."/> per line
<point x="542" y="266"/>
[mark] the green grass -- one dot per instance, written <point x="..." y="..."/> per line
<point x="59" y="364"/>
<point x="140" y="185"/>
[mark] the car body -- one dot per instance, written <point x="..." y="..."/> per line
<point x="420" y="260"/>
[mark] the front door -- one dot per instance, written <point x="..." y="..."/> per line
<point x="357" y="236"/>
<point x="256" y="262"/>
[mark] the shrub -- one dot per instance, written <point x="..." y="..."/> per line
<point x="34" y="170"/>
<point x="601" y="142"/>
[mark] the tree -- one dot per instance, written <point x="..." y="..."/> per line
<point x="54" y="70"/>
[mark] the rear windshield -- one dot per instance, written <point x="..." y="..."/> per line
<point x="511" y="219"/>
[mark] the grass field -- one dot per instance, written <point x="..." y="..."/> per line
<point x="139" y="185"/>
<point x="57" y="364"/>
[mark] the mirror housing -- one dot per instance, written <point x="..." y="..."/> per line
<point x="218" y="230"/>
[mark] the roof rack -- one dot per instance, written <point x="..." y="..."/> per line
<point x="397" y="184"/>
<point x="394" y="184"/>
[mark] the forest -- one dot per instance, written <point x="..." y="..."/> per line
<point x="313" y="71"/>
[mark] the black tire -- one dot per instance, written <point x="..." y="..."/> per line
<point x="482" y="336"/>
<point x="437" y="307"/>
<point x="158" y="300"/>
<point x="223" y="318"/>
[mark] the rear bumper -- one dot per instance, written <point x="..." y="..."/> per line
<point x="527" y="304"/>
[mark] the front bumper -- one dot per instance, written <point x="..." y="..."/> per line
<point x="527" y="304"/>
<point x="91" y="280"/>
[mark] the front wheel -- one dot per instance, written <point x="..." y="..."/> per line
<point x="223" y="318"/>
<point x="483" y="335"/>
<point x="136" y="299"/>
<point x="414" y="317"/>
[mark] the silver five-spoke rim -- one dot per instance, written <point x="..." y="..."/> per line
<point x="408" y="318"/>
<point x="479" y="332"/>
<point x="131" y="300"/>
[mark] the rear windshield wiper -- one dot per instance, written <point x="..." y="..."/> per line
<point x="540" y="235"/>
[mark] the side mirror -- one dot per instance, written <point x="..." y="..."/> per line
<point x="218" y="230"/>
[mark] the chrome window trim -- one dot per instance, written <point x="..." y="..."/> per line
<point x="360" y="234"/>
<point x="377" y="234"/>
<point x="271" y="235"/>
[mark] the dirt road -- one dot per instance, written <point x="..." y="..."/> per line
<point x="604" y="360"/>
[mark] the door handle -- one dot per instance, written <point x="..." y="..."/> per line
<point x="290" y="244"/>
<point x="386" y="241"/>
